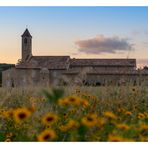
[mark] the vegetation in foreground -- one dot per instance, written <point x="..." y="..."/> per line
<point x="74" y="114"/>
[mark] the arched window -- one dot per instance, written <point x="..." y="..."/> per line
<point x="25" y="40"/>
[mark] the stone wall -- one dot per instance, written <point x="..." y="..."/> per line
<point x="43" y="77"/>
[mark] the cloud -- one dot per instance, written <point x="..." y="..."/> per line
<point x="101" y="44"/>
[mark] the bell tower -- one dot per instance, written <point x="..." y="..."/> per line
<point x="26" y="45"/>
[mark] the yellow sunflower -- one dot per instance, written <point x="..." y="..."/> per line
<point x="46" y="135"/>
<point x="101" y="122"/>
<point x="49" y="119"/>
<point x="144" y="139"/>
<point x="63" y="102"/>
<point x="141" y="116"/>
<point x="90" y="120"/>
<point x="9" y="135"/>
<point x="128" y="113"/>
<point x="116" y="138"/>
<point x="21" y="114"/>
<point x="72" y="124"/>
<point x="8" y="140"/>
<point x="73" y="100"/>
<point x="84" y="103"/>
<point x="110" y="115"/>
<point x="122" y="126"/>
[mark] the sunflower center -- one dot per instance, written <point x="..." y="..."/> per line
<point x="50" y="119"/>
<point x="22" y="115"/>
<point x="47" y="137"/>
<point x="90" y="119"/>
<point x="72" y="99"/>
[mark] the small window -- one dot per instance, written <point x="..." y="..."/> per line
<point x="25" y="40"/>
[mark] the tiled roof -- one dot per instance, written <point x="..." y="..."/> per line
<point x="118" y="72"/>
<point x="50" y="62"/>
<point x="102" y="62"/>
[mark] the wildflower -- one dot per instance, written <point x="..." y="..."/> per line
<point x="146" y="114"/>
<point x="63" y="128"/>
<point x="9" y="135"/>
<point x="8" y="114"/>
<point x="141" y="116"/>
<point x="21" y="114"/>
<point x="144" y="139"/>
<point x="73" y="111"/>
<point x="8" y="140"/>
<point x="65" y="115"/>
<point x="72" y="124"/>
<point x="63" y="102"/>
<point x="49" y="118"/>
<point x="143" y="128"/>
<point x="128" y="113"/>
<point x="110" y="115"/>
<point x="101" y="122"/>
<point x="116" y="138"/>
<point x="121" y="110"/>
<point x="122" y="126"/>
<point x="84" y="103"/>
<point x="73" y="100"/>
<point x="77" y="91"/>
<point x="47" y="135"/>
<point x="90" y="120"/>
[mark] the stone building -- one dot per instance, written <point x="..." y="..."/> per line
<point x="63" y="70"/>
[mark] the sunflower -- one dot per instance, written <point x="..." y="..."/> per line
<point x="84" y="103"/>
<point x="110" y="115"/>
<point x="90" y="120"/>
<point x="63" y="102"/>
<point x="146" y="114"/>
<point x="122" y="126"/>
<point x="72" y="124"/>
<point x="21" y="114"/>
<point x="128" y="113"/>
<point x="63" y="128"/>
<point x="8" y="140"/>
<point x="46" y="135"/>
<point x="9" y="135"/>
<point x="101" y="122"/>
<point x="116" y="138"/>
<point x="113" y="138"/>
<point x="73" y="100"/>
<point x="144" y="139"/>
<point x="141" y="116"/>
<point x="144" y="128"/>
<point x="49" y="119"/>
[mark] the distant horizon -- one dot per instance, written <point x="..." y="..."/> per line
<point x="78" y="32"/>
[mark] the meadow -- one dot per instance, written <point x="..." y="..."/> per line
<point x="111" y="113"/>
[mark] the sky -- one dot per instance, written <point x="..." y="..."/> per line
<point x="81" y="32"/>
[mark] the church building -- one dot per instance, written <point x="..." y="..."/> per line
<point x="62" y="70"/>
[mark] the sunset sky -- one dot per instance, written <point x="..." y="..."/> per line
<point x="81" y="32"/>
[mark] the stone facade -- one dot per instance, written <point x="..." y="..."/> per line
<point x="62" y="70"/>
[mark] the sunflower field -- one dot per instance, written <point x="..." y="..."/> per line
<point x="74" y="114"/>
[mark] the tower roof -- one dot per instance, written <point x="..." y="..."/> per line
<point x="26" y="33"/>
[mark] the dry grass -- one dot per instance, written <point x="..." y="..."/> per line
<point x="95" y="114"/>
